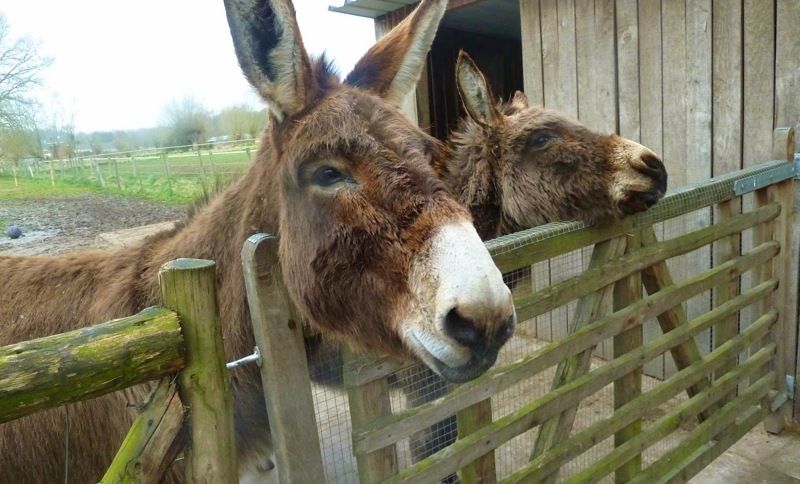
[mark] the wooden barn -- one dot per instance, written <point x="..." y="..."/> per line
<point x="702" y="83"/>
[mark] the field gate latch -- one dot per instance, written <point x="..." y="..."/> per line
<point x="254" y="358"/>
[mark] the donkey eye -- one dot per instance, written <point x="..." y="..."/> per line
<point x="540" y="141"/>
<point x="326" y="176"/>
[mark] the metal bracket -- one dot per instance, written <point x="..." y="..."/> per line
<point x="790" y="387"/>
<point x="767" y="178"/>
<point x="797" y="166"/>
<point x="254" y="358"/>
<point x="781" y="398"/>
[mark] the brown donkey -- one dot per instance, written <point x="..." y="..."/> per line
<point x="374" y="249"/>
<point x="517" y="166"/>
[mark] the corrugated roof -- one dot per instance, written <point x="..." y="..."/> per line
<point x="369" y="8"/>
<point x="490" y="17"/>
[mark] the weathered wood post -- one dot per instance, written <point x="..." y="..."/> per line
<point x="784" y="334"/>
<point x="187" y="287"/>
<point x="284" y="370"/>
<point x="116" y="173"/>
<point x="367" y="402"/>
<point x="627" y="388"/>
<point x="470" y="420"/>
<point x="166" y="171"/>
<point x="151" y="445"/>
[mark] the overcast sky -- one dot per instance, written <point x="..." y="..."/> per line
<point x="117" y="63"/>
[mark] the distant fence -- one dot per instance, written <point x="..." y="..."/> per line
<point x="184" y="171"/>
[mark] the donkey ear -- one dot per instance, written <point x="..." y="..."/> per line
<point x="271" y="53"/>
<point x="475" y="94"/>
<point x="520" y="100"/>
<point x="392" y="67"/>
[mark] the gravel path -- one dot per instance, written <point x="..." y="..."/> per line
<point x="58" y="225"/>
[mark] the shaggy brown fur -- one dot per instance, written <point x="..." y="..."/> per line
<point x="345" y="252"/>
<point x="517" y="166"/>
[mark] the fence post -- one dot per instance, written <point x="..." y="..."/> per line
<point x="166" y="172"/>
<point x="98" y="173"/>
<point x="284" y="369"/>
<point x="725" y="250"/>
<point x="785" y="332"/>
<point x="52" y="173"/>
<point x="187" y="287"/>
<point x="368" y="402"/>
<point x="469" y="420"/>
<point x="626" y="291"/>
<point x="136" y="172"/>
<point x="116" y="173"/>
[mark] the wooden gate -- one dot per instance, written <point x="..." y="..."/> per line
<point x="510" y="429"/>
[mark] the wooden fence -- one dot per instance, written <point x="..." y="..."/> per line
<point x="715" y="398"/>
<point x="184" y="341"/>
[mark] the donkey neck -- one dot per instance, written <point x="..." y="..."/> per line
<point x="218" y="230"/>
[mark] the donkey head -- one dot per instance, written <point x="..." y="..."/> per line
<point x="373" y="247"/>
<point x="517" y="166"/>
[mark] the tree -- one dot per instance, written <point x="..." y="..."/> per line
<point x="188" y="120"/>
<point x="234" y="121"/>
<point x="20" y="140"/>
<point x="20" y="71"/>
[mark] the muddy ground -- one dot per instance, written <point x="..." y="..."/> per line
<point x="59" y="225"/>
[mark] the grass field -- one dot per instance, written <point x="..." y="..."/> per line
<point x="183" y="178"/>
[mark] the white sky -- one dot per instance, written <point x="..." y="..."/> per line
<point x="117" y="63"/>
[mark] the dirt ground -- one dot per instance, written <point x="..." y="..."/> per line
<point x="55" y="226"/>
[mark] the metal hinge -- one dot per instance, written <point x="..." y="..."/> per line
<point x="797" y="166"/>
<point x="782" y="398"/>
<point x="767" y="178"/>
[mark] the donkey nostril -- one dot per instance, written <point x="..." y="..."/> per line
<point x="655" y="168"/>
<point x="652" y="161"/>
<point x="461" y="329"/>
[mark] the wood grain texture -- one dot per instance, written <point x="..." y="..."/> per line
<point x="187" y="287"/>
<point x="284" y="368"/>
<point x="152" y="444"/>
<point x="628" y="71"/>
<point x="89" y="362"/>
<point x="758" y="84"/>
<point x="532" y="50"/>
<point x="628" y="387"/>
<point x="787" y="70"/>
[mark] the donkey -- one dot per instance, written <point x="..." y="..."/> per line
<point x="517" y="166"/>
<point x="374" y="249"/>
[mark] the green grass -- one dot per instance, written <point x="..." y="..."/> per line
<point x="189" y="177"/>
<point x="35" y="189"/>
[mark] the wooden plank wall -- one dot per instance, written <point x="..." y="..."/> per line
<point x="702" y="82"/>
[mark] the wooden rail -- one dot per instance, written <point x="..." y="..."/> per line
<point x="88" y="362"/>
<point x="182" y="341"/>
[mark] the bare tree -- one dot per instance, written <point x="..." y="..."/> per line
<point x="20" y="70"/>
<point x="188" y="120"/>
<point x="20" y="140"/>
